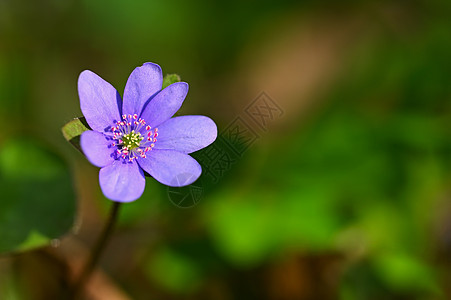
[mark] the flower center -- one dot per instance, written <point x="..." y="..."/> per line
<point x="132" y="140"/>
<point x="132" y="137"/>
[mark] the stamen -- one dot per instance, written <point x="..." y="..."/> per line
<point x="131" y="142"/>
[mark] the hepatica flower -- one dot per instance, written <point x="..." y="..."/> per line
<point x="138" y="133"/>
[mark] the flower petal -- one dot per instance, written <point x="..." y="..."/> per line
<point x="165" y="104"/>
<point x="122" y="182"/>
<point x="141" y="85"/>
<point x="99" y="101"/>
<point x="96" y="148"/>
<point x="170" y="167"/>
<point x="186" y="133"/>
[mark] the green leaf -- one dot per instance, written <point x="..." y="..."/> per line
<point x="74" y="129"/>
<point x="38" y="199"/>
<point x="170" y="79"/>
<point x="403" y="271"/>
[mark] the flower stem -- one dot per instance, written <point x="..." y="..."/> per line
<point x="98" y="249"/>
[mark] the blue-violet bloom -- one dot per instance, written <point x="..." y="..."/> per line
<point x="138" y="133"/>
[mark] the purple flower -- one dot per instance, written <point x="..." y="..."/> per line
<point x="139" y="134"/>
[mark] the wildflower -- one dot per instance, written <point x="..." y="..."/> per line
<point x="137" y="134"/>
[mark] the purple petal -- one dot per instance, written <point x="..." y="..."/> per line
<point x="142" y="84"/>
<point x="171" y="167"/>
<point x="96" y="148"/>
<point x="186" y="133"/>
<point x="122" y="182"/>
<point x="99" y="101"/>
<point x="165" y="104"/>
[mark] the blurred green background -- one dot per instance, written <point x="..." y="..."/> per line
<point x="344" y="196"/>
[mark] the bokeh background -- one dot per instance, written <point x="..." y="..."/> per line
<point x="344" y="195"/>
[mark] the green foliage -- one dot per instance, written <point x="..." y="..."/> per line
<point x="38" y="200"/>
<point x="364" y="177"/>
<point x="174" y="271"/>
<point x="170" y="79"/>
<point x="73" y="129"/>
<point x="404" y="272"/>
